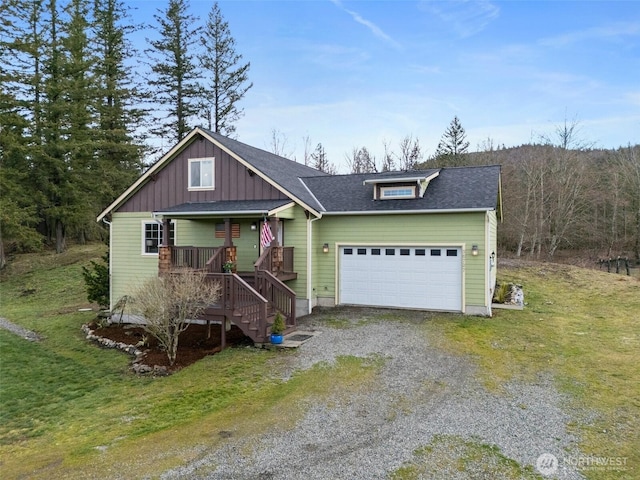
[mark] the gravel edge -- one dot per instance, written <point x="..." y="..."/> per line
<point x="18" y="330"/>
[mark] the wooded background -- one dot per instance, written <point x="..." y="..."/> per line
<point x="76" y="118"/>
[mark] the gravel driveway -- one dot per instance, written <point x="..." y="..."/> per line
<point x="423" y="394"/>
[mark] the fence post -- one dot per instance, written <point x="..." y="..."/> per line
<point x="627" y="264"/>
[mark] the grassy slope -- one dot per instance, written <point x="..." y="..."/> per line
<point x="583" y="327"/>
<point x="71" y="410"/>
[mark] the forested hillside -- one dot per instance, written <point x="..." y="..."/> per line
<point x="557" y="197"/>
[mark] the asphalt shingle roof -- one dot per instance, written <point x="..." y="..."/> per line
<point x="458" y="188"/>
<point x="284" y="172"/>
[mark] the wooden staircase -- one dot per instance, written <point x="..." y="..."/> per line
<point x="251" y="302"/>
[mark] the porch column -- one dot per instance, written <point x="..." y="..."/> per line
<point x="228" y="237"/>
<point x="164" y="250"/>
<point x="273" y="221"/>
<point x="229" y="248"/>
<point x="167" y="241"/>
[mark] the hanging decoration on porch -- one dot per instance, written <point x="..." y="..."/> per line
<point x="266" y="237"/>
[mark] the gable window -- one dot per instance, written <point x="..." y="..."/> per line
<point x="152" y="236"/>
<point x="201" y="173"/>
<point x="398" y="192"/>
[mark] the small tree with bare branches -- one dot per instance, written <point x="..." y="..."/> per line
<point x="168" y="303"/>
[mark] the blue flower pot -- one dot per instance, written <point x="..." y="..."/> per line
<point x="276" y="338"/>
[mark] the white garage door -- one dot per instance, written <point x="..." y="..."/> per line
<point x="410" y="277"/>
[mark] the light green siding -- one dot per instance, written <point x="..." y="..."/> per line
<point x="295" y="235"/>
<point x="129" y="267"/>
<point x="456" y="229"/>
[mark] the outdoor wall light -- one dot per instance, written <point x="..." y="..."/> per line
<point x="493" y="258"/>
<point x="474" y="250"/>
<point x="254" y="226"/>
<point x="325" y="248"/>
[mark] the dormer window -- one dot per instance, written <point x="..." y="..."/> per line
<point x="201" y="173"/>
<point x="398" y="192"/>
<point x="401" y="186"/>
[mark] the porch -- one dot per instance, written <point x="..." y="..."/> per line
<point x="250" y="299"/>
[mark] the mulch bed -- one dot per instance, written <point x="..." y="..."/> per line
<point x="193" y="343"/>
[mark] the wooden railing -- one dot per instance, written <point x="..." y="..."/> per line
<point x="239" y="299"/>
<point x="275" y="260"/>
<point x="214" y="264"/>
<point x="193" y="257"/>
<point x="279" y="296"/>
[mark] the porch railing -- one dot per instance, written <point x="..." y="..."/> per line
<point x="275" y="260"/>
<point x="214" y="264"/>
<point x="239" y="299"/>
<point x="281" y="297"/>
<point x="193" y="257"/>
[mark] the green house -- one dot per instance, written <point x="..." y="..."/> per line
<point x="290" y="238"/>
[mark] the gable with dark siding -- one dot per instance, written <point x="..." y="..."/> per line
<point x="169" y="186"/>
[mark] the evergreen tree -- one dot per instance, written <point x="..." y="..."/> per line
<point x="118" y="151"/>
<point x="228" y="78"/>
<point x="175" y="74"/>
<point x="452" y="143"/>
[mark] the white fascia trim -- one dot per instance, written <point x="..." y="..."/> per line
<point x="311" y="193"/>
<point x="156" y="166"/>
<point x="421" y="178"/>
<point x="213" y="214"/>
<point x="227" y="213"/>
<point x="267" y="179"/>
<point x="277" y="210"/>
<point x="405" y="212"/>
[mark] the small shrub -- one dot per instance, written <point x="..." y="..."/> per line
<point x="278" y="325"/>
<point x="96" y="280"/>
<point x="500" y="296"/>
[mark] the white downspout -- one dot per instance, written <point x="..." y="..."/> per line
<point x="107" y="222"/>
<point x="488" y="267"/>
<point x="310" y="261"/>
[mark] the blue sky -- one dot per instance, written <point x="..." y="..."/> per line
<point x="360" y="73"/>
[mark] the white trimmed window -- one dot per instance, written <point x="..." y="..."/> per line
<point x="201" y="173"/>
<point x="398" y="192"/>
<point x="152" y="236"/>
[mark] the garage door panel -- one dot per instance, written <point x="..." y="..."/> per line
<point x="411" y="277"/>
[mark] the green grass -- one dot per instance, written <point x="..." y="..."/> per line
<point x="581" y="327"/>
<point x="72" y="410"/>
<point x="449" y="456"/>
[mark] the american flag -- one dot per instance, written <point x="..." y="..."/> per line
<point x="266" y="237"/>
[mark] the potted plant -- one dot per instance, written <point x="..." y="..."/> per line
<point x="228" y="266"/>
<point x="277" y="329"/>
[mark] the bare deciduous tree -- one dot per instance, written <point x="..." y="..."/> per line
<point x="168" y="302"/>
<point x="410" y="153"/>
<point x="279" y="144"/>
<point x="361" y="161"/>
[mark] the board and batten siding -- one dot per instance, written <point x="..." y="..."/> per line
<point x="169" y="186"/>
<point x="455" y="229"/>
